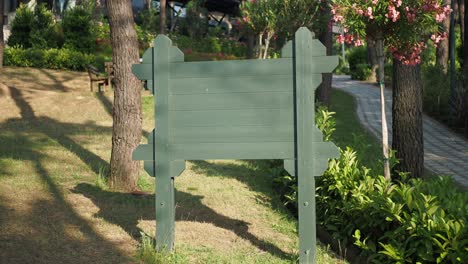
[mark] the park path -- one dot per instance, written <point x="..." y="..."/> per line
<point x="445" y="153"/>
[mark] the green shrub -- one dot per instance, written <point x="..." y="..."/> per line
<point x="148" y="20"/>
<point x="411" y="221"/>
<point x="361" y="72"/>
<point x="342" y="68"/>
<point x="356" y="56"/>
<point x="21" y="27"/>
<point x="78" y="30"/>
<point x="43" y="33"/>
<point x="419" y="221"/>
<point x="436" y="91"/>
<point x="210" y="45"/>
<point x="51" y="58"/>
<point x="33" y="28"/>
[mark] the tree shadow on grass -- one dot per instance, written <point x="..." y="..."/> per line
<point x="256" y="174"/>
<point x="106" y="103"/>
<point x="50" y="231"/>
<point x="126" y="210"/>
<point x="58" y="131"/>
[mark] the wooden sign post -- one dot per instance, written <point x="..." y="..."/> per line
<point x="245" y="109"/>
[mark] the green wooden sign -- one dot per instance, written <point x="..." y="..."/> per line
<point x="246" y="109"/>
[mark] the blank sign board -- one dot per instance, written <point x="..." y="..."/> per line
<point x="243" y="109"/>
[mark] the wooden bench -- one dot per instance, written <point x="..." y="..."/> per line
<point x="96" y="77"/>
<point x="109" y="68"/>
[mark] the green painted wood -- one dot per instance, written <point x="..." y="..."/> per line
<point x="238" y="150"/>
<point x="210" y="151"/>
<point x="287" y="50"/>
<point x="233" y="134"/>
<point x="232" y="101"/>
<point x="241" y="117"/>
<point x="305" y="111"/>
<point x="290" y="166"/>
<point x="176" y="167"/>
<point x="165" y="216"/>
<point x="230" y="68"/>
<point x="251" y="109"/>
<point x="235" y="84"/>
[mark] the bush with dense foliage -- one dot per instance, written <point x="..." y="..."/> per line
<point x="78" y="30"/>
<point x="33" y="28"/>
<point x="63" y="59"/>
<point x="210" y="44"/>
<point x="361" y="72"/>
<point x="393" y="222"/>
<point x="409" y="221"/>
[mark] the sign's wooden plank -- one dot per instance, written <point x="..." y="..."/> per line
<point x="287" y="50"/>
<point x="207" y="69"/>
<point x="304" y="118"/>
<point x="271" y="67"/>
<point x="176" y="167"/>
<point x="249" y="150"/>
<point x="235" y="84"/>
<point x="290" y="166"/>
<point x="325" y="149"/>
<point x="165" y="206"/>
<point x="232" y="134"/>
<point x="143" y="71"/>
<point x="259" y="117"/>
<point x="232" y="101"/>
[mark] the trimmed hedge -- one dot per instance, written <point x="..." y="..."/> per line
<point x="58" y="59"/>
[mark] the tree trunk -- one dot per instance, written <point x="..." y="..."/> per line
<point x="162" y="16"/>
<point x="2" y="43"/>
<point x="260" y="45"/>
<point x="407" y="118"/>
<point x="126" y="130"/>
<point x="442" y="50"/>
<point x="323" y="91"/>
<point x="267" y="44"/>
<point x="372" y="57"/>
<point x="381" y="79"/>
<point x="250" y="46"/>
<point x="461" y="20"/>
<point x="465" y="67"/>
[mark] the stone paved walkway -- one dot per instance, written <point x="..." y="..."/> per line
<point x="444" y="152"/>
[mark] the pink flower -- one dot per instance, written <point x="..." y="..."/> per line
<point x="393" y="14"/>
<point x="358" y="42"/>
<point x="338" y="18"/>
<point x="447" y="10"/>
<point x="440" y="17"/>
<point x="374" y="2"/>
<point x="340" y="39"/>
<point x="349" y="38"/>
<point x="360" y="12"/>
<point x="369" y="13"/>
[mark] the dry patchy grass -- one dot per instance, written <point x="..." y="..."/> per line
<point x="55" y="140"/>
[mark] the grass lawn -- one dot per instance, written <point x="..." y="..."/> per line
<point x="55" y="141"/>
<point x="350" y="132"/>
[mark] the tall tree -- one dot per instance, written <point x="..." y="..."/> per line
<point x="461" y="19"/>
<point x="393" y="25"/>
<point x="442" y="50"/>
<point x="162" y="16"/>
<point x="407" y="118"/>
<point x="2" y="42"/>
<point x="323" y="91"/>
<point x="126" y="130"/>
<point x="372" y="58"/>
<point x="465" y="66"/>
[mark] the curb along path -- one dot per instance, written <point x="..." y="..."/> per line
<point x="445" y="153"/>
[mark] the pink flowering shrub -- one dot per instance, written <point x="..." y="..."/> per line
<point x="405" y="25"/>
